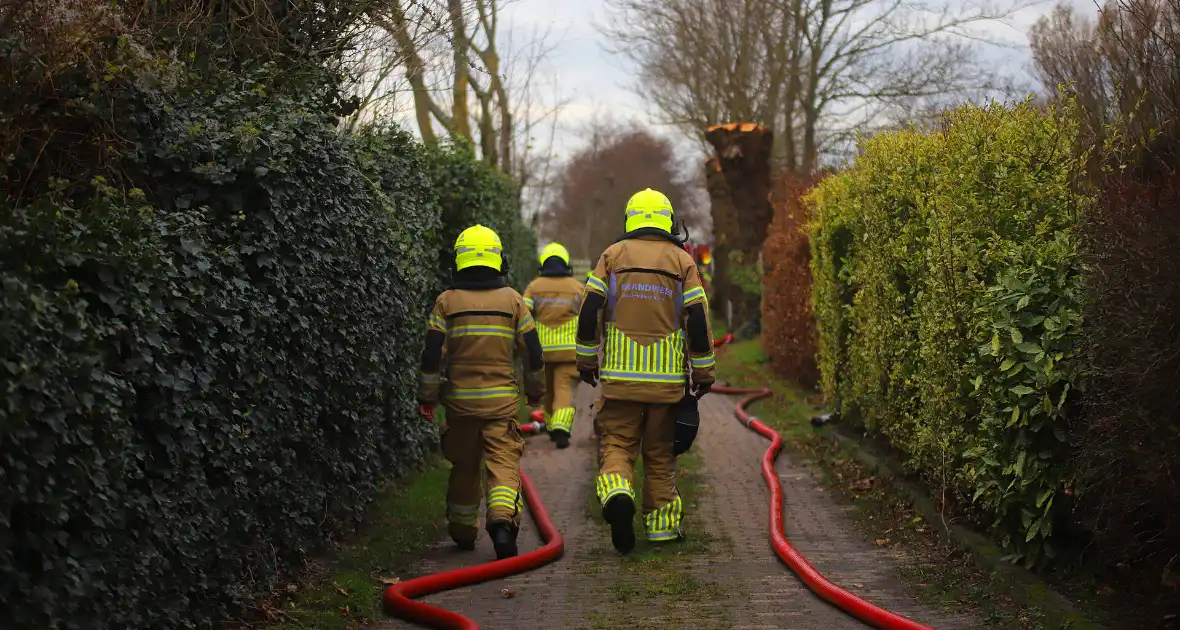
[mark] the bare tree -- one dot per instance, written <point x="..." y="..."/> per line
<point x="1122" y="67"/>
<point x="617" y="160"/>
<point x="812" y="70"/>
<point x="463" y="80"/>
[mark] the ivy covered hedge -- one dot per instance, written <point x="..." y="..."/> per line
<point x="211" y="307"/>
<point x="471" y="192"/>
<point x="948" y="290"/>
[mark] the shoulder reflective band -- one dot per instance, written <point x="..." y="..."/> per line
<point x="438" y="322"/>
<point x="587" y="350"/>
<point x="528" y="301"/>
<point x="563" y="337"/>
<point x="468" y="393"/>
<point x="693" y="294"/>
<point x="660" y="362"/>
<point x="482" y="330"/>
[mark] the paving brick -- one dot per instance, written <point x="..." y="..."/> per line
<point x="749" y="587"/>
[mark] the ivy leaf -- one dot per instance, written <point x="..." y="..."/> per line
<point x="1022" y="390"/>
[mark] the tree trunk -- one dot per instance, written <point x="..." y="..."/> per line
<point x="743" y="154"/>
<point x="459" y="45"/>
<point x="724" y="232"/>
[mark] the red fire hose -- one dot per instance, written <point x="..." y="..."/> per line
<point x="398" y="597"/>
<point x="537" y="424"/>
<point x="842" y="599"/>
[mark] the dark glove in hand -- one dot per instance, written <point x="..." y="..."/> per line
<point x="589" y="377"/>
<point x="700" y="389"/>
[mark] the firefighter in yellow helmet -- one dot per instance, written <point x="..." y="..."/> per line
<point x="479" y="324"/>
<point x="554" y="299"/>
<point x="655" y="335"/>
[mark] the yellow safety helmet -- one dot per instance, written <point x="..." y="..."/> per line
<point x="649" y="209"/>
<point x="555" y="249"/>
<point x="478" y="246"/>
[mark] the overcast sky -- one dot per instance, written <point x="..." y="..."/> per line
<point x="591" y="78"/>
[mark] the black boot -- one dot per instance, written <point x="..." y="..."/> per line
<point x="465" y="545"/>
<point x="561" y="437"/>
<point x="618" y="512"/>
<point x="503" y="536"/>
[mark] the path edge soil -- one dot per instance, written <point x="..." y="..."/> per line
<point x="1021" y="585"/>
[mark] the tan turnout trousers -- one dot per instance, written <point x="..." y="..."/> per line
<point x="475" y="445"/>
<point x="626" y="428"/>
<point x="561" y="381"/>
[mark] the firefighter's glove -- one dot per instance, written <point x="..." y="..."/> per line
<point x="426" y="410"/>
<point x="700" y="389"/>
<point x="533" y="402"/>
<point x="589" y="377"/>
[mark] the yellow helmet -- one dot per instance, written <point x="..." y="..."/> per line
<point x="555" y="249"/>
<point x="649" y="208"/>
<point x="478" y="246"/>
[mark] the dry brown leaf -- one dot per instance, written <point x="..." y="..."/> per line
<point x="508" y="593"/>
<point x="390" y="581"/>
<point x="342" y="591"/>
<point x="855" y="585"/>
<point x="344" y="611"/>
<point x="881" y="542"/>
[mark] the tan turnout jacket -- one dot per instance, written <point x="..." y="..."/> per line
<point x="648" y="283"/>
<point x="484" y="330"/>
<point x="555" y="301"/>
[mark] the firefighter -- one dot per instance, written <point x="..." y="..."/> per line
<point x="479" y="324"/>
<point x="554" y="299"/>
<point x="655" y="335"/>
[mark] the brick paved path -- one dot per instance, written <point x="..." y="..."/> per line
<point x="728" y="577"/>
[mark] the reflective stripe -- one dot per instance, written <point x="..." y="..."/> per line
<point x="483" y="392"/>
<point x="562" y="419"/>
<point x="662" y="213"/>
<point x="563" y="337"/>
<point x="482" y="330"/>
<point x="587" y="350"/>
<point x="619" y="375"/>
<point x="463" y="514"/>
<point x="706" y="361"/>
<point x="505" y="497"/>
<point x="627" y="360"/>
<point x="524" y="322"/>
<point x="431" y="378"/>
<point x="594" y="283"/>
<point x="438" y="322"/>
<point x="528" y="301"/>
<point x="664" y="523"/>
<point x="612" y="485"/>
<point x="693" y="294"/>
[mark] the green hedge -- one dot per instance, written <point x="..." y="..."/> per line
<point x="947" y="292"/>
<point x="472" y="192"/>
<point x="207" y="356"/>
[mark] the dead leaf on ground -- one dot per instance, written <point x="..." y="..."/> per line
<point x="508" y="593"/>
<point x="855" y="585"/>
<point x="342" y="591"/>
<point x="881" y="542"/>
<point x="860" y="485"/>
<point x="1105" y="589"/>
<point x="389" y="581"/>
<point x="344" y="611"/>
